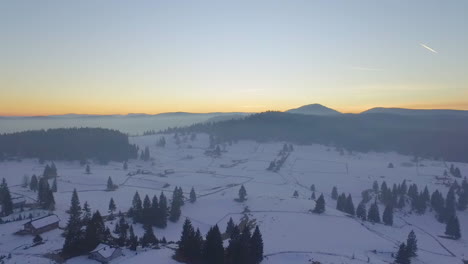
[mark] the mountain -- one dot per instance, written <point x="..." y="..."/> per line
<point x="416" y="112"/>
<point x="313" y="109"/>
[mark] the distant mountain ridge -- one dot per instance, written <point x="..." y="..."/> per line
<point x="416" y="112"/>
<point x="313" y="109"/>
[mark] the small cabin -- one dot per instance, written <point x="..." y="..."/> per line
<point x="41" y="225"/>
<point x="104" y="253"/>
<point x="18" y="202"/>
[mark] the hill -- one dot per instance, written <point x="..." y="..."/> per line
<point x="313" y="109"/>
<point x="416" y="112"/>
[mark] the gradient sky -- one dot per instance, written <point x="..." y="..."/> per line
<point x="118" y="57"/>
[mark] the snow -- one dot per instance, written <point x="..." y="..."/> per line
<point x="44" y="221"/>
<point x="291" y="233"/>
<point x="104" y="250"/>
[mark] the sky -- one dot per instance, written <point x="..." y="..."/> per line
<point x="118" y="57"/>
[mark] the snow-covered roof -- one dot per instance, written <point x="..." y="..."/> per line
<point x="104" y="250"/>
<point x="44" y="221"/>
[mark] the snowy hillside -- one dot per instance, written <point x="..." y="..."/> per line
<point x="291" y="232"/>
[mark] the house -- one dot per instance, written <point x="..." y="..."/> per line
<point x="41" y="225"/>
<point x="105" y="253"/>
<point x="18" y="202"/>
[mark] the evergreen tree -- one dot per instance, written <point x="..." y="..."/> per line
<point x="175" y="211"/>
<point x="54" y="185"/>
<point x="110" y="184"/>
<point x="33" y="184"/>
<point x="320" y="205"/>
<point x="73" y="233"/>
<point x="95" y="232"/>
<point x="402" y="256"/>
<point x="313" y="196"/>
<point x="449" y="209"/>
<point x="154" y="210"/>
<point x="88" y="169"/>
<point x="256" y="243"/>
<point x="86" y="213"/>
<point x="245" y="246"/>
<point x="125" y="165"/>
<point x="361" y="211"/>
<point x="401" y="201"/>
<point x="25" y="182"/>
<point x="312" y="188"/>
<point x="5" y="198"/>
<point x="375" y="187"/>
<point x="374" y="214"/>
<point x="295" y="194"/>
<point x="232" y="251"/>
<point x="112" y="208"/>
<point x="189" y="244"/>
<point x="341" y="203"/>
<point x="230" y="227"/>
<point x="132" y="240"/>
<point x="213" y="251"/>
<point x="148" y="239"/>
<point x="193" y="196"/>
<point x="137" y="208"/>
<point x="453" y="227"/>
<point x="334" y="193"/>
<point x="403" y="187"/>
<point x="412" y="244"/>
<point x="387" y="217"/>
<point x="242" y="193"/>
<point x="146" y="211"/>
<point x="349" y="205"/>
<point x="463" y="199"/>
<point x="162" y="220"/>
<point x="122" y="231"/>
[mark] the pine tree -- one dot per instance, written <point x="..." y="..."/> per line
<point x="230" y="227"/>
<point x="242" y="193"/>
<point x="125" y="165"/>
<point x="312" y="188"/>
<point x="162" y="220"/>
<point x="350" y="205"/>
<point x="244" y="246"/>
<point x="146" y="211"/>
<point x="54" y="185"/>
<point x="112" y="208"/>
<point x="449" y="210"/>
<point x="341" y="203"/>
<point x="154" y="211"/>
<point x="5" y="199"/>
<point x="186" y="243"/>
<point x="320" y="205"/>
<point x="33" y="183"/>
<point x="88" y="169"/>
<point x="132" y="240"/>
<point x="361" y="211"/>
<point x="175" y="211"/>
<point x="122" y="231"/>
<point x="25" y="182"/>
<point x="73" y="234"/>
<point x="412" y="244"/>
<point x="95" y="232"/>
<point x="388" y="215"/>
<point x="295" y="194"/>
<point x="86" y="213"/>
<point x="313" y="196"/>
<point x="401" y="202"/>
<point x="402" y="256"/>
<point x="453" y="227"/>
<point x="193" y="196"/>
<point x="256" y="246"/>
<point x="110" y="184"/>
<point x="375" y="186"/>
<point x="463" y="199"/>
<point x="232" y="251"/>
<point x="374" y="214"/>
<point x="213" y="251"/>
<point x="148" y="239"/>
<point x="137" y="208"/>
<point x="334" y="193"/>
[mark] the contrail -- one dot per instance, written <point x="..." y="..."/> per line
<point x="428" y="48"/>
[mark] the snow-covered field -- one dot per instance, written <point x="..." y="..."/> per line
<point x="291" y="233"/>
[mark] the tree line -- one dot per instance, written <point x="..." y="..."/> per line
<point x="101" y="144"/>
